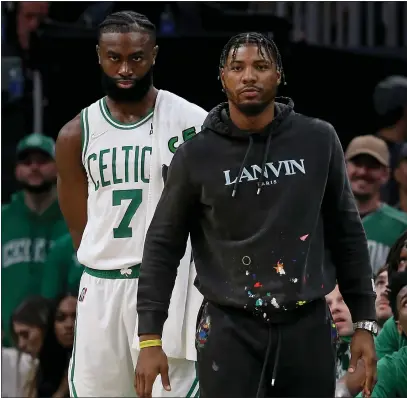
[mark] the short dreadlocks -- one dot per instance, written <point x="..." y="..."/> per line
<point x="125" y="22"/>
<point x="265" y="45"/>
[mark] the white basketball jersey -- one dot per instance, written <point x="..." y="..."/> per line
<point x="117" y="159"/>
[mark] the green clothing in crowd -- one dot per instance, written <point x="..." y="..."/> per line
<point x="26" y="238"/>
<point x="383" y="227"/>
<point x="391" y="376"/>
<point x="389" y="339"/>
<point x="62" y="272"/>
<point x="342" y="356"/>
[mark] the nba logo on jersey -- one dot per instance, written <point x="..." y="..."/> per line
<point x="83" y="293"/>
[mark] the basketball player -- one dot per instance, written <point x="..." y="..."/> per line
<point x="264" y="211"/>
<point x="112" y="160"/>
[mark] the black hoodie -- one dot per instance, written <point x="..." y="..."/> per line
<point x="272" y="220"/>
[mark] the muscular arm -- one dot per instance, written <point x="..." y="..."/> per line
<point x="72" y="183"/>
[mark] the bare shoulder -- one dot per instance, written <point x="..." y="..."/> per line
<point x="70" y="136"/>
<point x="71" y="131"/>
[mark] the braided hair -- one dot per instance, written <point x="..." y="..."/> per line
<point x="125" y="22"/>
<point x="397" y="282"/>
<point x="266" y="48"/>
<point x="393" y="258"/>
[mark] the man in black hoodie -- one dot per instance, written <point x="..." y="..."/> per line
<point x="264" y="195"/>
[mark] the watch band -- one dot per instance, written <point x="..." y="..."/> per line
<point x="370" y="326"/>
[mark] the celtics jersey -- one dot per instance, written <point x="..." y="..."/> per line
<point x="118" y="162"/>
<point x="116" y="158"/>
<point x="382" y="228"/>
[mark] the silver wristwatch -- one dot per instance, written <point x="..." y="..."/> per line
<point x="370" y="326"/>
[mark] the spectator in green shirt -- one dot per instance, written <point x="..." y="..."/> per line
<point x="389" y="340"/>
<point x="368" y="162"/>
<point x="30" y="224"/>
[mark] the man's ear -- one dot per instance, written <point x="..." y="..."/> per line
<point x="98" y="52"/>
<point x="278" y="77"/>
<point x="222" y="78"/>
<point x="155" y="53"/>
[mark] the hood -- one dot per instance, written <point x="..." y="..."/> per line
<point x="218" y="121"/>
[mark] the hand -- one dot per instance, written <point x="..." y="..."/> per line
<point x="362" y="347"/>
<point x="151" y="362"/>
<point x="352" y="382"/>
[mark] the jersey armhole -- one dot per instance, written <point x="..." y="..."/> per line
<point x="84" y="132"/>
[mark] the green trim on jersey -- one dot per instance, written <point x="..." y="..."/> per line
<point x="85" y="132"/>
<point x="72" y="375"/>
<point x="119" y="125"/>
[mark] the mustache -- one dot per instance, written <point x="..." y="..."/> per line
<point x="121" y="79"/>
<point x="357" y="178"/>
<point x="248" y="88"/>
<point x="139" y="86"/>
<point x="35" y="174"/>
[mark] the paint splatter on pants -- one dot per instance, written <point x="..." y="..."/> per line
<point x="240" y="355"/>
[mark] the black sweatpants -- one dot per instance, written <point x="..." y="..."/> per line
<point x="235" y="348"/>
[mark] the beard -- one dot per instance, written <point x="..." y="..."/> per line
<point x="251" y="109"/>
<point x="135" y="93"/>
<point x="362" y="197"/>
<point x="45" y="187"/>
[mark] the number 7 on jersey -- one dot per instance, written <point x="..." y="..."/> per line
<point x="135" y="196"/>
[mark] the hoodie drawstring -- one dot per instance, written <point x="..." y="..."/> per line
<point x="242" y="166"/>
<point x="263" y="371"/>
<point x="277" y="358"/>
<point x="263" y="165"/>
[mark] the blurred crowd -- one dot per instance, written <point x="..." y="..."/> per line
<point x="41" y="274"/>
